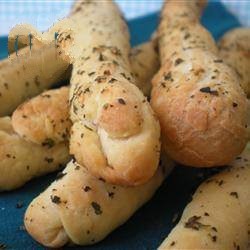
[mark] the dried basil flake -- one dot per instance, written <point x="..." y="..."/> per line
<point x="55" y="199"/>
<point x="97" y="208"/>
<point x="209" y="91"/>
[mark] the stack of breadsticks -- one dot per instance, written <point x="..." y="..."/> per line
<point x="104" y="128"/>
<point x="205" y="93"/>
<point x="90" y="114"/>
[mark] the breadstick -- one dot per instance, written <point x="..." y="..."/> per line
<point x="218" y="217"/>
<point x="21" y="161"/>
<point x="200" y="105"/>
<point x="145" y="63"/>
<point x="35" y="69"/>
<point x="46" y="117"/>
<point x="45" y="120"/>
<point x="110" y="115"/>
<point x="28" y="74"/>
<point x="234" y="48"/>
<point x="15" y="75"/>
<point x="81" y="209"/>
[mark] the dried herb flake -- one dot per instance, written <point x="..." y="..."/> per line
<point x="48" y="142"/>
<point x="121" y="101"/>
<point x="193" y="222"/>
<point x="235" y="194"/>
<point x="178" y="61"/>
<point x="97" y="208"/>
<point x="55" y="199"/>
<point x="87" y="188"/>
<point x="209" y="91"/>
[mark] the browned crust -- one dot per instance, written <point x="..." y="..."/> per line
<point x="200" y="105"/>
<point x="44" y="118"/>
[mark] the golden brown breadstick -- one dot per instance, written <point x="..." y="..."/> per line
<point x="234" y="48"/>
<point x="35" y="68"/>
<point x="46" y="117"/>
<point x="28" y="74"/>
<point x="81" y="209"/>
<point x="21" y="161"/>
<point x="18" y="78"/>
<point x="45" y="120"/>
<point x="200" y="105"/>
<point x="110" y="115"/>
<point x="218" y="217"/>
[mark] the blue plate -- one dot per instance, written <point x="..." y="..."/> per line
<point x="152" y="223"/>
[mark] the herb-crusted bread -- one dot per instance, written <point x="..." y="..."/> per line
<point x="45" y="118"/>
<point x="115" y="133"/>
<point x="197" y="97"/>
<point x="20" y="161"/>
<point x="42" y="124"/>
<point x="28" y="74"/>
<point x="234" y="48"/>
<point x="219" y="214"/>
<point x="81" y="209"/>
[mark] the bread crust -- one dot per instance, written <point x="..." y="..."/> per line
<point x="234" y="49"/>
<point x="18" y="165"/>
<point x="43" y="121"/>
<point x="218" y="215"/>
<point x="81" y="209"/>
<point x="37" y="65"/>
<point x="103" y="88"/>
<point x="197" y="98"/>
<point x="28" y="74"/>
<point x="45" y="118"/>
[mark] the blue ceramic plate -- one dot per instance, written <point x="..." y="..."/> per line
<point x="152" y="223"/>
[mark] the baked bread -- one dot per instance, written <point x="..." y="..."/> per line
<point x="234" y="49"/>
<point x="110" y="115"/>
<point x="28" y="74"/>
<point x="197" y="97"/>
<point x="21" y="161"/>
<point x="218" y="216"/>
<point x="45" y="118"/>
<point x="37" y="64"/>
<point x="81" y="209"/>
